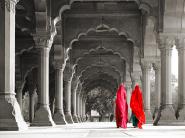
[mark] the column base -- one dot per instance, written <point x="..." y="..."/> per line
<point x="10" y="115"/>
<point x="43" y="117"/>
<point x="79" y="119"/>
<point x="165" y="115"/>
<point x="148" y="116"/>
<point x="75" y="119"/>
<point x="59" y="118"/>
<point x="181" y="114"/>
<point x="68" y="118"/>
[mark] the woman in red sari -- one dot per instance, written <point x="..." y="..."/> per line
<point x="121" y="107"/>
<point x="136" y="104"/>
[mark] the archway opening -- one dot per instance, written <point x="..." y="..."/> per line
<point x="100" y="105"/>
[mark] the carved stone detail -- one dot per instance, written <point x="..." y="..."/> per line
<point x="180" y="43"/>
<point x="165" y="42"/>
<point x="146" y="65"/>
<point x="157" y="66"/>
<point x="43" y="41"/>
<point x="58" y="65"/>
<point x="9" y="4"/>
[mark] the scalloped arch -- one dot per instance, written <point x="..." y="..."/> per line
<point x="96" y="75"/>
<point x="89" y="68"/>
<point x="96" y="50"/>
<point x="104" y="84"/>
<point x="143" y="6"/>
<point x="94" y="84"/>
<point x="95" y="78"/>
<point x="120" y="33"/>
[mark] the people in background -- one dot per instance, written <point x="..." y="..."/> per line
<point x="121" y="107"/>
<point x="136" y="105"/>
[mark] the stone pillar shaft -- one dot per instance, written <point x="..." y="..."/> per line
<point x="157" y="68"/>
<point x="74" y="105"/>
<point x="166" y="76"/>
<point x="166" y="114"/>
<point x="59" y="117"/>
<point x="81" y="108"/>
<point x="146" y="66"/>
<point x="146" y="84"/>
<point x="59" y="90"/>
<point x="44" y="77"/>
<point x="68" y="97"/>
<point x="181" y="79"/>
<point x="83" y="114"/>
<point x="74" y="102"/>
<point x="10" y="113"/>
<point x="78" y="106"/>
<point x="129" y="91"/>
<point x="43" y="114"/>
<point x="181" y="76"/>
<point x="68" y="116"/>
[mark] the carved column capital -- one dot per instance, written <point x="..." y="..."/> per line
<point x="157" y="66"/>
<point x="146" y="65"/>
<point x="165" y="42"/>
<point x="9" y="5"/>
<point x="43" y="41"/>
<point x="58" y="65"/>
<point x="180" y="43"/>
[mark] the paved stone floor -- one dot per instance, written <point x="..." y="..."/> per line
<point x="97" y="130"/>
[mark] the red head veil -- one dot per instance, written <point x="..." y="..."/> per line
<point x="136" y="104"/>
<point x="121" y="107"/>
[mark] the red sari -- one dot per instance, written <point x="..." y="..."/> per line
<point x="121" y="108"/>
<point x="136" y="104"/>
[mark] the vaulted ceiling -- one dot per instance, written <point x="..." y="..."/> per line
<point x="96" y="38"/>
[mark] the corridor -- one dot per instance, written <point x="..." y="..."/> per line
<point x="97" y="130"/>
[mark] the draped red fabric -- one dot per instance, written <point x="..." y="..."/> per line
<point x="121" y="107"/>
<point x="136" y="104"/>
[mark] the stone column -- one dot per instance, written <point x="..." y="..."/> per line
<point x="10" y="113"/>
<point x="81" y="108"/>
<point x="146" y="68"/>
<point x="157" y="69"/>
<point x="166" y="113"/>
<point x="67" y="91"/>
<point x="74" y="104"/>
<point x="78" y="91"/>
<point x="181" y="79"/>
<point x="43" y="114"/>
<point x="59" y="117"/>
<point x="129" y="92"/>
<point x="78" y="106"/>
<point x="84" y="115"/>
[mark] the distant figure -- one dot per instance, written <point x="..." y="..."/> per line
<point x="121" y="107"/>
<point x="136" y="104"/>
